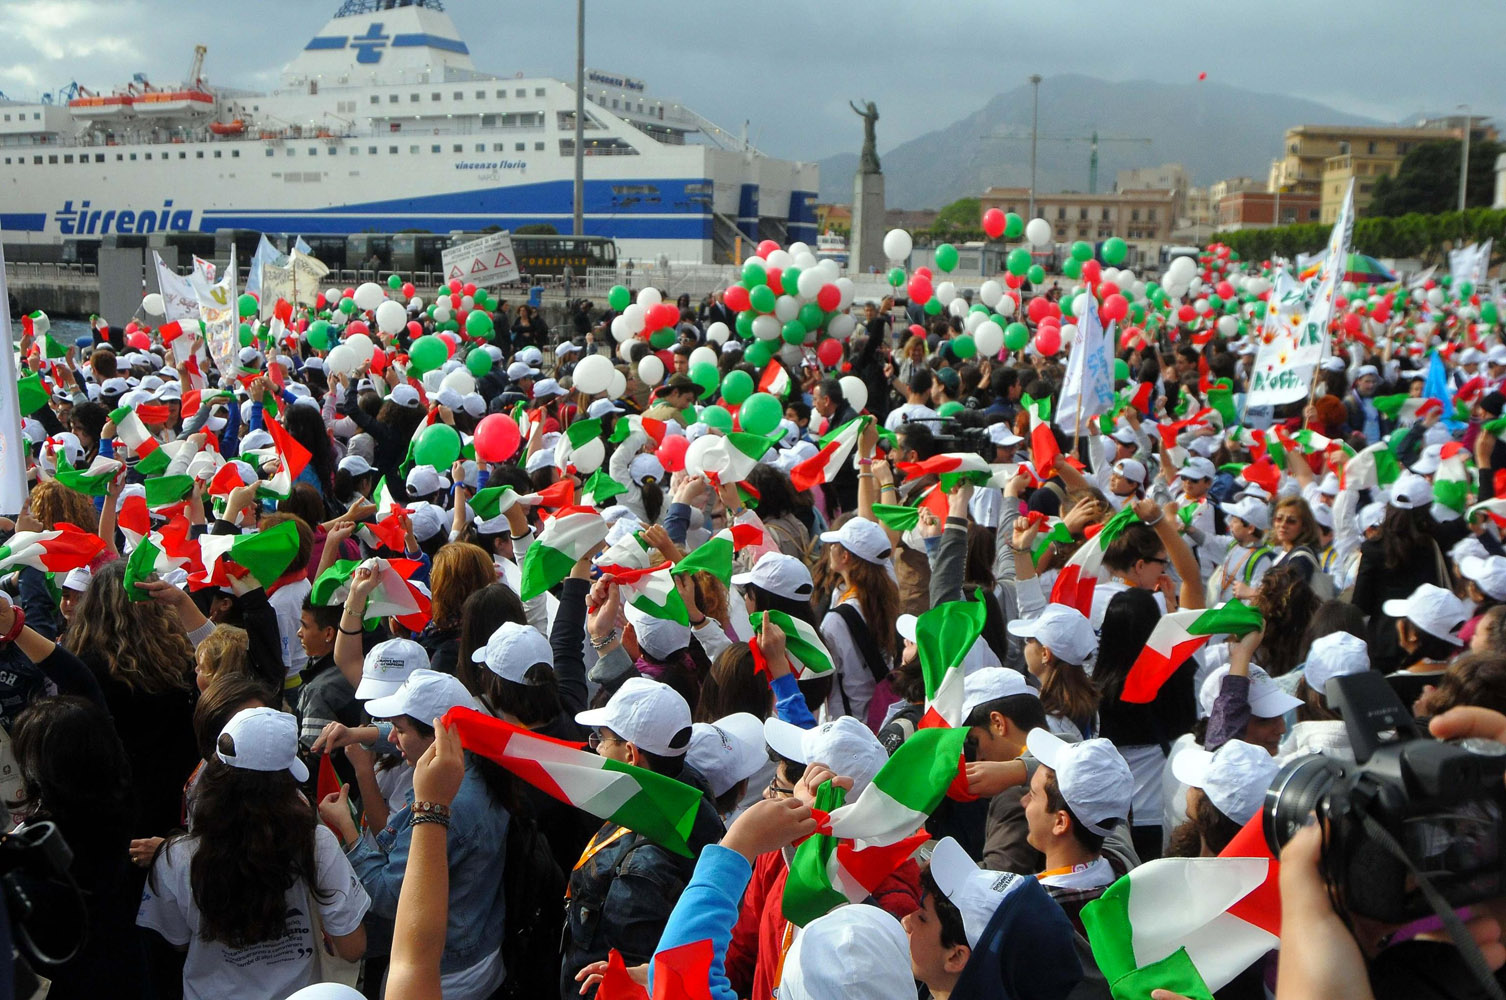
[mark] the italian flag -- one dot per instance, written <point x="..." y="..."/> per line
<point x="630" y="552"/>
<point x="1495" y="509"/>
<point x="132" y="518"/>
<point x="1184" y="923"/>
<point x="802" y="643"/>
<point x="1375" y="466"/>
<point x="1079" y="578"/>
<point x="714" y="555"/>
<point x="943" y="636"/>
<point x="93" y="481"/>
<point x="394" y="596"/>
<point x="632" y="423"/>
<point x="64" y="548"/>
<point x="897" y="517"/>
<point x="31" y="394"/>
<point x="132" y="434"/>
<point x="1402" y="406"/>
<point x="141" y="564"/>
<point x="1043" y="446"/>
<point x="581" y="450"/>
<point x="164" y="490"/>
<point x="493" y="500"/>
<point x="294" y="457"/>
<point x="1259" y="443"/>
<point x="599" y="489"/>
<point x="904" y="792"/>
<point x="652" y="590"/>
<point x="659" y="808"/>
<point x="836" y="448"/>
<point x="827" y="872"/>
<point x="735" y="456"/>
<point x="565" y="540"/>
<point x="775" y="380"/>
<point x="1453" y="480"/>
<point x="1177" y="636"/>
<point x="951" y="468"/>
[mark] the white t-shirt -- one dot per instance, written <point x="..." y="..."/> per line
<point x="1089" y="876"/>
<point x="910" y="411"/>
<point x="287" y="602"/>
<point x="270" y="970"/>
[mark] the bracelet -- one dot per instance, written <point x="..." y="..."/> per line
<point x="420" y="818"/>
<point x="424" y="808"/>
<point x="865" y="475"/>
<point x="888" y="486"/>
<point x="865" y="461"/>
<point x="604" y="641"/>
<point x="1152" y="524"/>
<point x="16" y="626"/>
<point x="1018" y="549"/>
<point x="349" y="631"/>
<point x="698" y="624"/>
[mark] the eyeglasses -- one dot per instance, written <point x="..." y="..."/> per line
<point x="595" y="740"/>
<point x="776" y="790"/>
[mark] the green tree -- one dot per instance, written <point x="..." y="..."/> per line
<point x="960" y="221"/>
<point x="537" y="229"/>
<point x="1427" y="181"/>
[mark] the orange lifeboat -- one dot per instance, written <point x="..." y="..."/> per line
<point x="228" y="128"/>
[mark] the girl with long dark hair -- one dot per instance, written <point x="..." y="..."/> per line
<point x="1394" y="564"/>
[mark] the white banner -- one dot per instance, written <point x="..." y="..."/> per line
<point x="296" y="281"/>
<point x="218" y="309"/>
<point x="1272" y="376"/>
<point x="484" y="262"/>
<point x="178" y="298"/>
<point x="1088" y="390"/>
<point x="1470" y="263"/>
<point x="12" y="444"/>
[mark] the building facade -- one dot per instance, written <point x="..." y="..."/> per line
<point x="1145" y="218"/>
<point x="1262" y="209"/>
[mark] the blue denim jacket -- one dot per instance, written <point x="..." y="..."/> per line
<point x="477" y="844"/>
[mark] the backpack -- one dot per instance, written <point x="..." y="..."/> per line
<point x="532" y="941"/>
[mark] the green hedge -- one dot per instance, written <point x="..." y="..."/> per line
<point x="1421" y="236"/>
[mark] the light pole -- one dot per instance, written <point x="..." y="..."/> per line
<point x="1035" y="120"/>
<point x="580" y="117"/>
<point x="1464" y="159"/>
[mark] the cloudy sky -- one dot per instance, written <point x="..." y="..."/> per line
<point x="790" y="67"/>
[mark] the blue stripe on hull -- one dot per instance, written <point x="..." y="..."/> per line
<point x="667" y="195"/>
<point x="23" y="221"/>
<point x="624" y="227"/>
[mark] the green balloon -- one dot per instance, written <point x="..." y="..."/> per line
<point x="394" y="282"/>
<point x="760" y="413"/>
<point x="1072" y="267"/>
<point x="1082" y="251"/>
<point x="1018" y="262"/>
<point x="247" y="337"/>
<point x="737" y="387"/>
<point x="1489" y="313"/>
<point x="705" y="375"/>
<point x="718" y="417"/>
<point x="479" y="324"/>
<point x="448" y="326"/>
<point x="662" y="338"/>
<point x="1114" y="250"/>
<point x="1260" y="310"/>
<point x="319" y="335"/>
<point x="978" y="307"/>
<point x="1121" y="370"/>
<point x="946" y="257"/>
<point x="478" y="362"/>
<point x="964" y="347"/>
<point x="789" y="280"/>
<point x="896" y="277"/>
<point x="1465" y="289"/>
<point x="347" y="306"/>
<point x="1066" y="306"/>
<point x="1016" y="336"/>
<point x="950" y="409"/>
<point x="933" y="307"/>
<point x="438" y="446"/>
<point x="754" y="275"/>
<point x="247" y="305"/>
<point x="811" y="317"/>
<point x="744" y="324"/>
<point x="762" y="298"/>
<point x="759" y="352"/>
<point x="619" y="298"/>
<point x="793" y="332"/>
<point x="1014" y="226"/>
<point x="427" y="354"/>
<point x="1036" y="274"/>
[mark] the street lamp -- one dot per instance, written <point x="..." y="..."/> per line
<point x="1464" y="159"/>
<point x="1035" y="119"/>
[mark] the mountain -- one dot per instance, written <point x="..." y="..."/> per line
<point x="1216" y="131"/>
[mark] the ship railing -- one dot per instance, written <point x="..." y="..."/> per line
<point x="51" y="270"/>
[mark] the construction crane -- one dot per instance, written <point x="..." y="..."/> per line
<point x="1092" y="141"/>
<point x="196" y="71"/>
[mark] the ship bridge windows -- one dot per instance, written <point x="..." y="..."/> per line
<point x="611" y="146"/>
<point x="520" y="147"/>
<point x="566" y="121"/>
<point x="68" y="158"/>
<point x="412" y="98"/>
<point x="434" y="148"/>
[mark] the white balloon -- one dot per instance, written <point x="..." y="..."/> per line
<point x="958" y="308"/>
<point x="757" y="262"/>
<point x="461" y="380"/>
<point x="362" y="345"/>
<point x="845" y="286"/>
<point x="989" y="337"/>
<point x="1038" y="232"/>
<point x="945" y="292"/>
<point x="1126" y="278"/>
<point x="625" y="350"/>
<point x="441" y="315"/>
<point x="1069" y="334"/>
<point x="841" y="325"/>
<point x="1005" y="306"/>
<point x="1347" y="288"/>
<point x="1081" y="303"/>
<point x="703" y="356"/>
<point x="718" y="333"/>
<point x="649" y="296"/>
<point x="780" y="259"/>
<point x="467" y="302"/>
<point x="1228" y="326"/>
<point x="593" y="374"/>
<point x="1110" y="274"/>
<point x="1195" y="286"/>
<point x="332" y="296"/>
<point x="1435" y="296"/>
<point x="810" y="283"/>
<point x="797" y="248"/>
<point x="617" y="386"/>
<point x="416" y="304"/>
<point x="786" y="308"/>
<point x="897" y="246"/>
<point x="368" y="295"/>
<point x="338" y="319"/>
<point x="341" y="360"/>
<point x="620" y="331"/>
<point x="972" y="321"/>
<point x="854" y="389"/>
<point x="154" y="305"/>
<point x="766" y="327"/>
<point x="1202" y="306"/>
<point x="391" y="316"/>
<point x="832" y="268"/>
<point x="431" y="381"/>
<point x="803" y="260"/>
<point x="651" y="370"/>
<point x="990" y="293"/>
<point x="635" y="315"/>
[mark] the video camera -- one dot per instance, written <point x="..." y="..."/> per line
<point x="1411" y="815"/>
<point x="959" y="434"/>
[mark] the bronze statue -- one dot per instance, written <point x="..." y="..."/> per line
<point x="869" y="161"/>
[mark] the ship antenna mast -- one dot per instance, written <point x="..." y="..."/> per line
<point x="196" y="71"/>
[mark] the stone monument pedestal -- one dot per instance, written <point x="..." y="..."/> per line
<point x="866" y="249"/>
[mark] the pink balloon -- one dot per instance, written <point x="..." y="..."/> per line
<point x="497" y="438"/>
<point x="1048" y="340"/>
<point x="671" y="453"/>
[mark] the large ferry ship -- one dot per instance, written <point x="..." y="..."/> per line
<point x="383" y="124"/>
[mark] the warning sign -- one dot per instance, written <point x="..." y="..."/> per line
<point x="487" y="261"/>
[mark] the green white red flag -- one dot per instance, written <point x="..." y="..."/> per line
<point x="1179" y="634"/>
<point x="943" y="636"/>
<point x="906" y="790"/>
<point x="831" y="458"/>
<point x="807" y="654"/>
<point x="1079" y="578"/>
<point x="1043" y="446"/>
<point x="131" y="434"/>
<point x="566" y="538"/>
<point x="59" y="550"/>
<point x="651" y="591"/>
<point x="714" y="555"/>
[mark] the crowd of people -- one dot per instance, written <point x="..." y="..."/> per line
<point x="241" y="613"/>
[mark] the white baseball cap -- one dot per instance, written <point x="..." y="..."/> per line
<point x="779" y="574"/>
<point x="1489" y="574"/>
<point x="512" y="650"/>
<point x="856" y="951"/>
<point x="1334" y="364"/>
<point x="1197" y="468"/>
<point x="1125" y="434"/>
<point x="449" y="396"/>
<point x="531" y="355"/>
<point x="645" y="467"/>
<point x="1364" y="370"/>
<point x="1132" y="469"/>
<point x="541" y="459"/>
<point x="1063" y="630"/>
<point x="976" y="893"/>
<point x="728" y="750"/>
<point x="1466" y="547"/>
<point x="1267" y="699"/>
<point x="521" y="369"/>
<point x="1002" y="436"/>
<point x="602" y="407"/>
<point x="355" y="465"/>
<point x="257" y="440"/>
<point x="845" y="745"/>
<point x="1431" y="608"/>
<point x="546" y="387"/>
<point x="1372" y="515"/>
<point x="428" y="520"/>
<point x="864" y="539"/>
<point x="473" y="404"/>
<point x="1234" y="777"/>
<point x="387" y="665"/>
<point x="1337" y="654"/>
<point x="658" y="638"/>
<point x="1496" y="355"/>
<point x="1411" y="491"/>
<point x="980" y="687"/>
<point x="1323" y="515"/>
<point x="424" y="480"/>
<point x="651" y="716"/>
<point x="1251" y="510"/>
<point x="404" y="395"/>
<point x="1091" y="775"/>
<point x="78" y="579"/>
<point x="425" y="695"/>
<point x="1427" y="463"/>
<point x="261" y="739"/>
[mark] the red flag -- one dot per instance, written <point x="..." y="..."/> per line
<point x="1262" y="906"/>
<point x="294" y="455"/>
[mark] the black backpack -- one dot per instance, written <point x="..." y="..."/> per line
<point x="532" y="943"/>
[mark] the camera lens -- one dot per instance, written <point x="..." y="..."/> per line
<point x="1293" y="795"/>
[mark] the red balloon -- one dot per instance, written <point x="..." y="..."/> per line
<point x="775" y="278"/>
<point x="319" y="301"/>
<point x="1048" y="340"/>
<point x="829" y="297"/>
<point x="409" y="289"/>
<point x="1092" y="271"/>
<point x="1114" y="307"/>
<point x="468" y="288"/>
<point x="766" y="247"/>
<point x="1014" y="280"/>
<point x="830" y="352"/>
<point x="1038" y="309"/>
<point x="667" y="357"/>
<point x="455" y="285"/>
<point x="920" y="288"/>
<point x="671" y="453"/>
<point x="916" y="330"/>
<point x="669" y="314"/>
<point x="1224" y="290"/>
<point x="378" y="361"/>
<point x="350" y="293"/>
<point x="1186" y="314"/>
<point x="139" y="341"/>
<point x="415" y="328"/>
<point x="1352" y="324"/>
<point x="132" y="326"/>
<point x="351" y="329"/>
<point x="926" y="271"/>
<point x="1107" y="288"/>
<point x="736" y="298"/>
<point x="993" y="223"/>
<point x="450" y="341"/>
<point x="1341" y="303"/>
<point x="496" y="438"/>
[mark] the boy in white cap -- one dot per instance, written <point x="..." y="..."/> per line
<point x="1427" y="629"/>
<point x="1226" y="788"/>
<point x="1248" y="558"/>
